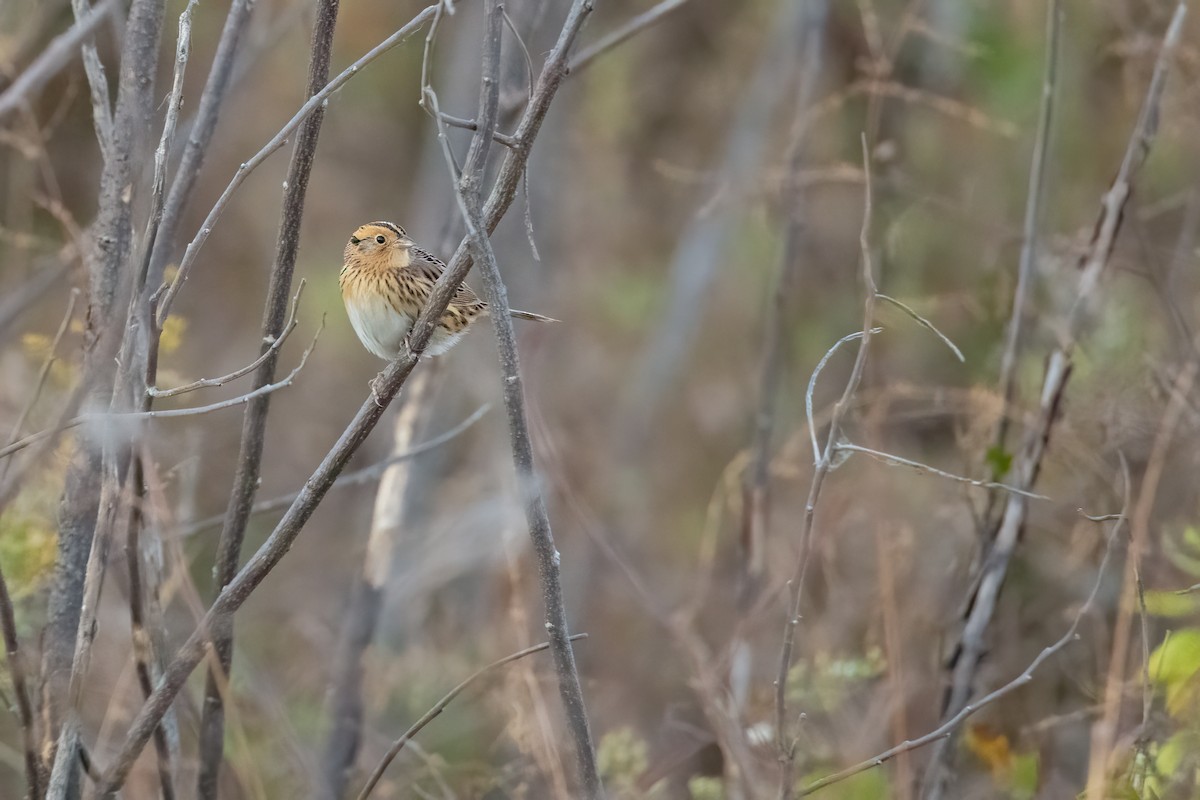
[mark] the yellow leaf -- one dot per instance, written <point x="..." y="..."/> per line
<point x="36" y="345"/>
<point x="172" y="334"/>
<point x="992" y="748"/>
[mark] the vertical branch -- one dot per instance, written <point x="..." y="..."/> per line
<point x="361" y="617"/>
<point x="971" y="644"/>
<point x="16" y="671"/>
<point x="468" y="193"/>
<point x="784" y="740"/>
<point x="216" y="89"/>
<point x="254" y="421"/>
<point x="756" y="477"/>
<point x="1029" y="232"/>
<point x="79" y="566"/>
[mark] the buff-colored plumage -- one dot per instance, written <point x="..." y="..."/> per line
<point x="385" y="282"/>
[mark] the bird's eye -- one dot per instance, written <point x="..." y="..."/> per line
<point x="380" y="239"/>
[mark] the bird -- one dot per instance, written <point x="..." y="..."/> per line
<point x="386" y="279"/>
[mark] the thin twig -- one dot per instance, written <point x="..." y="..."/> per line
<point x="889" y="458"/>
<point x="440" y="706"/>
<point x="356" y="478"/>
<point x="279" y="140"/>
<point x="951" y="725"/>
<point x="138" y="416"/>
<point x="102" y="117"/>
<point x="56" y="55"/>
<point x="472" y="125"/>
<point x="216" y="90"/>
<point x="786" y="745"/>
<point x="20" y="685"/>
<point x="272" y="347"/>
<point x="925" y="324"/>
<point x="248" y="472"/>
<point x="636" y="25"/>
<point x="43" y="373"/>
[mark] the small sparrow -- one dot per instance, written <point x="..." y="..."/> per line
<point x="386" y="281"/>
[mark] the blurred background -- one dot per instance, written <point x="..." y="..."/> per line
<point x="658" y="199"/>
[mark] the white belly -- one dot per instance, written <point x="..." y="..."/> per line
<point x="382" y="329"/>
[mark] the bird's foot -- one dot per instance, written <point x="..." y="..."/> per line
<point x="374" y="384"/>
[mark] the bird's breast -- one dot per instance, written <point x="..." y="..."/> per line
<point x="380" y="327"/>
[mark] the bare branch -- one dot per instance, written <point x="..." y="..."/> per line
<point x="97" y="83"/>
<point x="216" y="90"/>
<point x="634" y="26"/>
<point x="57" y="54"/>
<point x="785" y="745"/>
<point x="272" y="347"/>
<point x="468" y="193"/>
<point x="1033" y="207"/>
<point x="895" y="460"/>
<point x="925" y="324"/>
<point x="440" y="706"/>
<point x="247" y="474"/>
<point x="138" y="416"/>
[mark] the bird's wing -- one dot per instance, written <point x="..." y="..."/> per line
<point x="433" y="267"/>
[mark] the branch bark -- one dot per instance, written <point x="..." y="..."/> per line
<point x="468" y="193"/>
<point x="254" y="421"/>
<point x="112" y="233"/>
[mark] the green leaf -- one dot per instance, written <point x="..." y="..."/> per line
<point x="1171" y="604"/>
<point x="1173" y="667"/>
<point x="1000" y="460"/>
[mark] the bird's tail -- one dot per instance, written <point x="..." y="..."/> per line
<point x="529" y="315"/>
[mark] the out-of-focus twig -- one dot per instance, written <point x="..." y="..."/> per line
<point x="356" y="478"/>
<point x="947" y="728"/>
<point x="361" y="616"/>
<point x="971" y="645"/>
<point x="646" y="19"/>
<point x="785" y="743"/>
<point x="1033" y="206"/>
<point x="1104" y="729"/>
<point x="440" y="706"/>
<point x="57" y="54"/>
<point x="170" y="413"/>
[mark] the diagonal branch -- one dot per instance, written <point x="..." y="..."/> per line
<point x="440" y="706"/>
<point x="53" y="58"/>
<point x="971" y="644"/>
<point x="254" y="422"/>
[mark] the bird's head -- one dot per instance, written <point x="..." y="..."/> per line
<point x="380" y="240"/>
